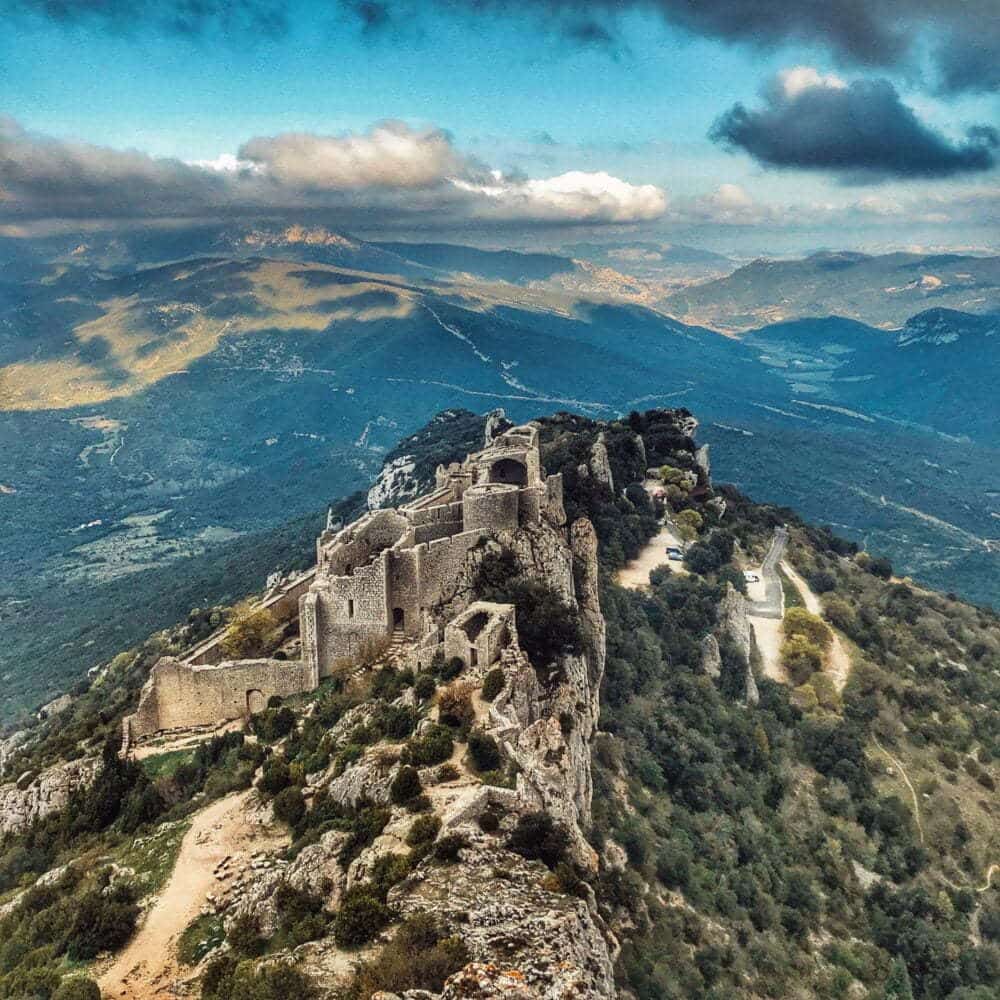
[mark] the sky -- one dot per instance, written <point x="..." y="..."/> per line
<point x="753" y="124"/>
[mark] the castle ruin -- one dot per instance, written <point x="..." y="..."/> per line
<point x="391" y="574"/>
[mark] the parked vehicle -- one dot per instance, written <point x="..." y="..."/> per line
<point x="674" y="553"/>
<point x="751" y="577"/>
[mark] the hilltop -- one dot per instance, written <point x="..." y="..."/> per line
<point x="648" y="798"/>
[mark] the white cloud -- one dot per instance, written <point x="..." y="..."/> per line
<point x="793" y="81"/>
<point x="389" y="155"/>
<point x="572" y="197"/>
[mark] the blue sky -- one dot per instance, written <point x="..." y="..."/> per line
<point x="510" y="94"/>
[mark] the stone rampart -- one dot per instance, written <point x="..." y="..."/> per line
<point x="182" y="695"/>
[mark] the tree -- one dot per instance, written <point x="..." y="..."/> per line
<point x="800" y="658"/>
<point x="897" y="986"/>
<point x="798" y="621"/>
<point x="248" y="633"/>
<point x="289" y="805"/>
<point x="689" y="522"/>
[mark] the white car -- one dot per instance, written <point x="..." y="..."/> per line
<point x="750" y="576"/>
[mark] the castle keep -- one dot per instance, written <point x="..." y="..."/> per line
<point x="392" y="573"/>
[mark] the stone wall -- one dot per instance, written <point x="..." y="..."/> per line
<point x="181" y="695"/>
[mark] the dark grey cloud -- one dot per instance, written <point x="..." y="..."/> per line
<point x="962" y="36"/>
<point x="860" y="131"/>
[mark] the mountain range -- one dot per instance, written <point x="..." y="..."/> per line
<point x="167" y="397"/>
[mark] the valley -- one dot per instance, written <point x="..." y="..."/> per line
<point x="230" y="396"/>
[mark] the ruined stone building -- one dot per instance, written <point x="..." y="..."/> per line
<point x="392" y="573"/>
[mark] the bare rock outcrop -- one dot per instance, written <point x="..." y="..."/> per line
<point x="32" y="798"/>
<point x="549" y="943"/>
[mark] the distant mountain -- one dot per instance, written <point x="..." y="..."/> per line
<point x="152" y="417"/>
<point x="881" y="291"/>
<point x="938" y="371"/>
<point x="495" y="265"/>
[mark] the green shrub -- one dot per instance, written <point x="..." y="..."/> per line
<point x="423" y="829"/>
<point x="424" y="686"/>
<point x="102" y="921"/>
<point x="290" y="806"/>
<point x="397" y="721"/>
<point x="493" y="684"/>
<point x="452" y="668"/>
<point x="77" y="988"/>
<point x="435" y="746"/>
<point x="244" y="936"/>
<point x="447" y="848"/>
<point x="537" y="836"/>
<point x="406" y="785"/>
<point x="419" y="957"/>
<point x="484" y="751"/>
<point x="361" y="916"/>
<point x="275" y="776"/>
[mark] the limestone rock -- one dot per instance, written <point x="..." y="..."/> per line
<point x="548" y="943"/>
<point x="711" y="658"/>
<point x="25" y="801"/>
<point x="496" y="424"/>
<point x="600" y="466"/>
<point x="369" y="779"/>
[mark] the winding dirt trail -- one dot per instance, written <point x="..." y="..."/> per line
<point x="148" y="969"/>
<point x="909" y="785"/>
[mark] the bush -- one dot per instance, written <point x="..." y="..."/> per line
<point x="801" y="658"/>
<point x="455" y="705"/>
<point x="423" y="830"/>
<point x="417" y="958"/>
<point x="484" y="751"/>
<point x="447" y="848"/>
<point x="244" y="937"/>
<point x="275" y="777"/>
<point x="493" y="684"/>
<point x="452" y="668"/>
<point x="424" y="687"/>
<point x="880" y="567"/>
<point x="435" y="746"/>
<point x="822" y="582"/>
<point x="102" y="922"/>
<point x="361" y="916"/>
<point x="406" y="785"/>
<point x="799" y="622"/>
<point x="290" y="806"/>
<point x="397" y="721"/>
<point x="538" y="837"/>
<point x="77" y="988"/>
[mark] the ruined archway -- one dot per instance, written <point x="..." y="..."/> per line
<point x="256" y="702"/>
<point x="510" y="471"/>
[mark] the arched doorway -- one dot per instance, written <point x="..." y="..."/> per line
<point x="510" y="471"/>
<point x="256" y="702"/>
<point x="398" y="619"/>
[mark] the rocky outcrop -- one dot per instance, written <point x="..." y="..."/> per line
<point x="510" y="916"/>
<point x="32" y="798"/>
<point x="600" y="465"/>
<point x="711" y="657"/>
<point x="734" y="624"/>
<point x="496" y="424"/>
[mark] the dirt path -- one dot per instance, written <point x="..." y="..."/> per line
<point x="147" y="969"/>
<point x="767" y="634"/>
<point x="909" y="785"/>
<point x="838" y="661"/>
<point x="635" y="575"/>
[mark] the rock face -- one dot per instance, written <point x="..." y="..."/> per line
<point x="734" y="624"/>
<point x="600" y="466"/>
<point x="33" y="798"/>
<point x="711" y="658"/>
<point x="548" y="943"/>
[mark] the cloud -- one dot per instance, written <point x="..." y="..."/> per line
<point x="390" y="176"/>
<point x="860" y="131"/>
<point x="961" y="40"/>
<point x="390" y="155"/>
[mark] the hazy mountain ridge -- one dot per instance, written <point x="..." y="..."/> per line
<point x="881" y="291"/>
